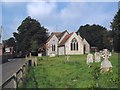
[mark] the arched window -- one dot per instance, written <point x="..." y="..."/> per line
<point x="74" y="45"/>
<point x="53" y="47"/>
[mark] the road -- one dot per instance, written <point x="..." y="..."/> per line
<point x="9" y="68"/>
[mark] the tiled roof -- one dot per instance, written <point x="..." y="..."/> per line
<point x="58" y="35"/>
<point x="61" y="34"/>
<point x="65" y="39"/>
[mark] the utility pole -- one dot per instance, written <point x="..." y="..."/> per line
<point x="1" y="34"/>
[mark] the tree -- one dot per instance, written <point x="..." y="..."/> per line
<point x="115" y="25"/>
<point x="30" y="35"/>
<point x="96" y="35"/>
<point x="9" y="43"/>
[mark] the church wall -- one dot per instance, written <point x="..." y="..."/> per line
<point x="68" y="45"/>
<point x="52" y="41"/>
<point x="87" y="46"/>
<point x="61" y="50"/>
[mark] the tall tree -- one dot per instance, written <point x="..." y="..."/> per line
<point x="115" y="25"/>
<point x="30" y="35"/>
<point x="96" y="35"/>
<point x="9" y="43"/>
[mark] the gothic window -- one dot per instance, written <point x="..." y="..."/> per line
<point x="53" y="47"/>
<point x="74" y="45"/>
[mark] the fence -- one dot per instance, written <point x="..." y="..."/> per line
<point x="17" y="78"/>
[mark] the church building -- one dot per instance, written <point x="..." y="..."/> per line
<point x="65" y="43"/>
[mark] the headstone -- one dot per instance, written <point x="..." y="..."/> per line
<point x="52" y="55"/>
<point x="89" y="59"/>
<point x="30" y="55"/>
<point x="39" y="54"/>
<point x="35" y="61"/>
<point x="106" y="64"/>
<point x="97" y="57"/>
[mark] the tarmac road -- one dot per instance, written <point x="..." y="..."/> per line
<point x="9" y="68"/>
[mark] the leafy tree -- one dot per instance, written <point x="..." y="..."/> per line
<point x="96" y="35"/>
<point x="30" y="35"/>
<point x="115" y="25"/>
<point x="9" y="43"/>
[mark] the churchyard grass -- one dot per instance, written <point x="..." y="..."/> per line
<point x="56" y="72"/>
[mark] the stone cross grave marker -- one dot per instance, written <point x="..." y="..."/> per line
<point x="67" y="58"/>
<point x="106" y="64"/>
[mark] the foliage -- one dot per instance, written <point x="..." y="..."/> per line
<point x="9" y="43"/>
<point x="57" y="73"/>
<point x="96" y="35"/>
<point x="30" y="35"/>
<point x="115" y="25"/>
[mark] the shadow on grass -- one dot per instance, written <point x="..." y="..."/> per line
<point x="30" y="79"/>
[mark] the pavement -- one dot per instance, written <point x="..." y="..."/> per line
<point x="9" y="68"/>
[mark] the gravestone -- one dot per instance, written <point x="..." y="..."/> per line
<point x="39" y="54"/>
<point x="89" y="59"/>
<point x="52" y="55"/>
<point x="106" y="64"/>
<point x="97" y="57"/>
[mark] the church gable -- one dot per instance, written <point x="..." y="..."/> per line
<point x="74" y="45"/>
<point x="65" y="39"/>
<point x="52" y="44"/>
<point x="63" y="34"/>
<point x="73" y="35"/>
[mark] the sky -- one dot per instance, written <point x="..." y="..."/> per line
<point x="56" y="15"/>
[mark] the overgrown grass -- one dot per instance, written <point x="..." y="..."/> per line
<point x="56" y="72"/>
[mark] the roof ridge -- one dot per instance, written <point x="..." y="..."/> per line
<point x="65" y="39"/>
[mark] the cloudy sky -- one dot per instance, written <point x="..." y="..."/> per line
<point x="57" y="16"/>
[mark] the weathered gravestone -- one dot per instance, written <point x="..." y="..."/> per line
<point x="89" y="59"/>
<point x="52" y="55"/>
<point x="97" y="57"/>
<point x="39" y="54"/>
<point x="106" y="64"/>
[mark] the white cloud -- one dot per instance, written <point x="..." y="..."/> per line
<point x="60" y="0"/>
<point x="71" y="16"/>
<point x="87" y="13"/>
<point x="40" y="10"/>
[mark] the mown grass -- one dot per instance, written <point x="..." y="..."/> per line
<point x="56" y="72"/>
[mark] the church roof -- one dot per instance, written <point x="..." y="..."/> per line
<point x="57" y="34"/>
<point x="61" y="34"/>
<point x="65" y="39"/>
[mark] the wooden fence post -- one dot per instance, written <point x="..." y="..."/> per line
<point x="21" y="73"/>
<point x="15" y="81"/>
